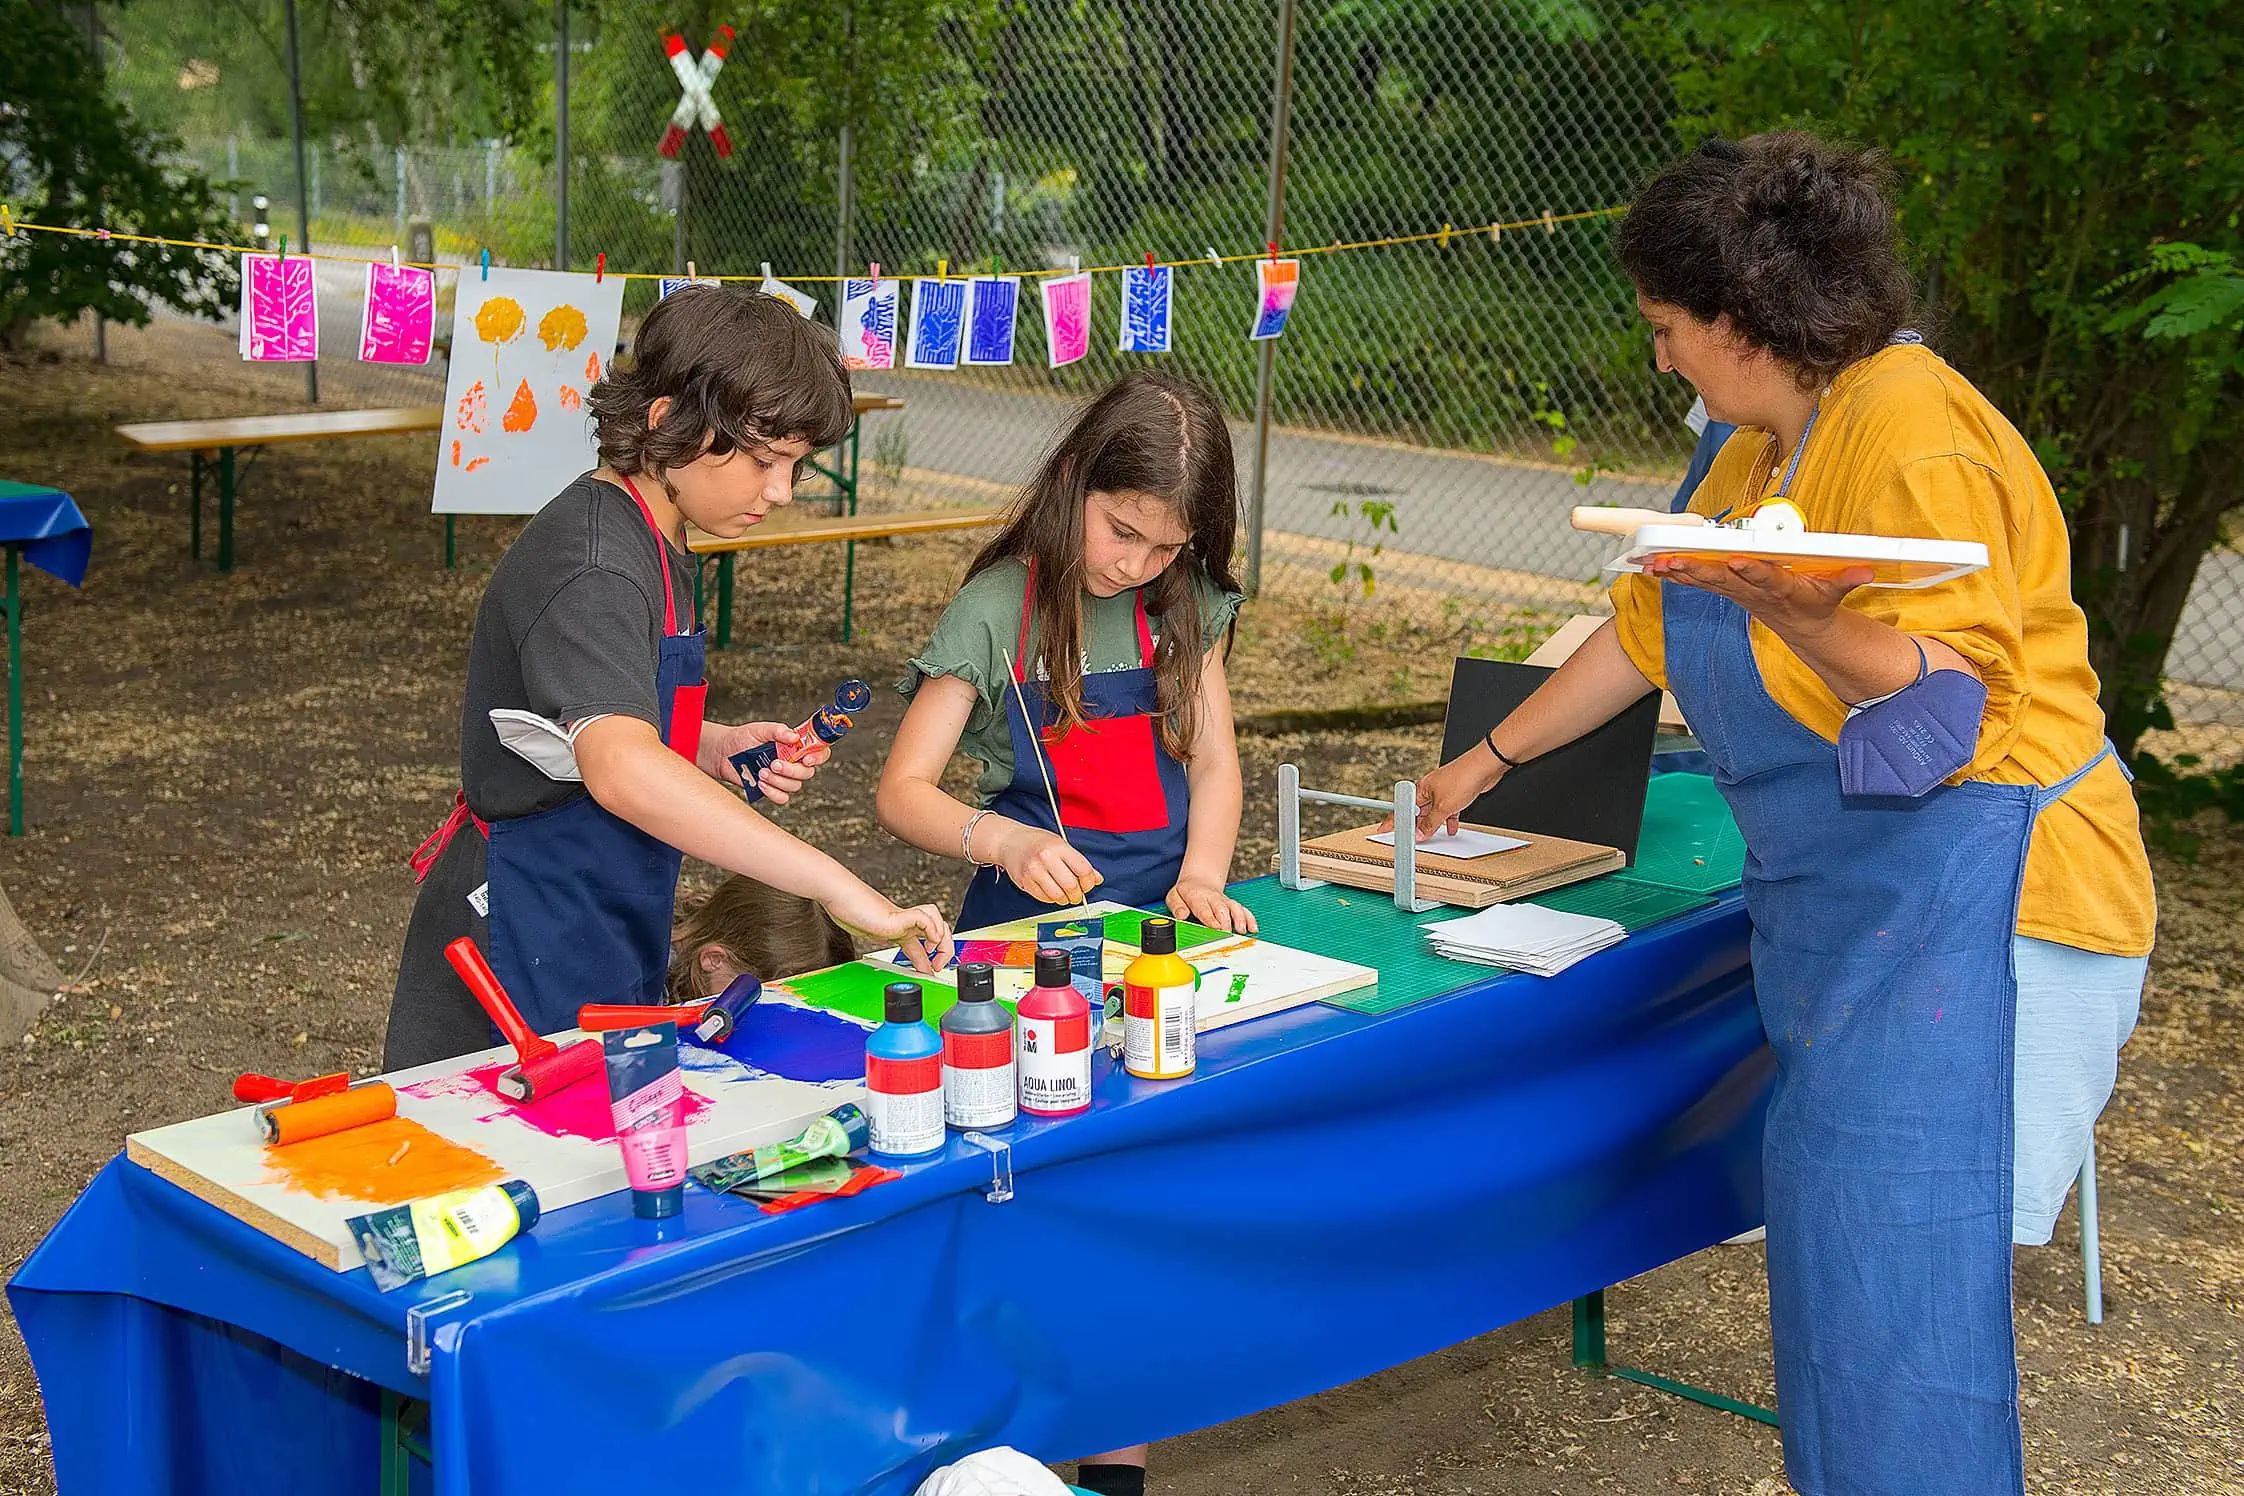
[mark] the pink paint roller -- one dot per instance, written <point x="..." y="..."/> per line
<point x="824" y="726"/>
<point x="542" y="1067"/>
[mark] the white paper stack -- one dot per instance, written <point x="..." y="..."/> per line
<point x="1524" y="937"/>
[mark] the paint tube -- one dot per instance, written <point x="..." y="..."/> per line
<point x="410" y="1242"/>
<point x="646" y="1096"/>
<point x="841" y="1131"/>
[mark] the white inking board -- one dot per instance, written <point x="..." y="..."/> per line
<point x="223" y="1160"/>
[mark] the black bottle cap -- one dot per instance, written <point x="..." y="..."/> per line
<point x="1158" y="937"/>
<point x="904" y="1002"/>
<point x="1054" y="967"/>
<point x="977" y="982"/>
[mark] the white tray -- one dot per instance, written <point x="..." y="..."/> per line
<point x="1894" y="561"/>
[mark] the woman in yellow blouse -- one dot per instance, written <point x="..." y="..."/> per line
<point x="1944" y="868"/>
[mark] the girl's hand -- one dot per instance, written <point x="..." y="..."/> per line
<point x="1207" y="904"/>
<point x="1790" y="603"/>
<point x="921" y="932"/>
<point x="1044" y="867"/>
<point x="780" y="779"/>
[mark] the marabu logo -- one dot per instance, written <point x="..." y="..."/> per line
<point x="1028" y="1041"/>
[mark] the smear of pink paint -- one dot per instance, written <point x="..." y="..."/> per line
<point x="579" y="1111"/>
<point x="1936" y="1012"/>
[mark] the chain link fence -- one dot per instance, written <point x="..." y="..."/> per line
<point x="1434" y="408"/>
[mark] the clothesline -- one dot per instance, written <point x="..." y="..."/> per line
<point x="1548" y="222"/>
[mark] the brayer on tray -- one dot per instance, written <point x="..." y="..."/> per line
<point x="711" y="1020"/>
<point x="541" y="1067"/>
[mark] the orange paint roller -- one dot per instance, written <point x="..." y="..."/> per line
<point x="541" y="1066"/>
<point x="295" y="1121"/>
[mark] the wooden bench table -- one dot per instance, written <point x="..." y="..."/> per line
<point x="790" y="529"/>
<point x="213" y="443"/>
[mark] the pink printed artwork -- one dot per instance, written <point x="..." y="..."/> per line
<point x="1067" y="318"/>
<point x="398" y="325"/>
<point x="280" y="310"/>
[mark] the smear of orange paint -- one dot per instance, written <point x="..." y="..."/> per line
<point x="455" y="452"/>
<point x="476" y="463"/>
<point x="499" y="320"/>
<point x="563" y="327"/>
<point x="592" y="368"/>
<point x="355" y="1164"/>
<point x="470" y="415"/>
<point x="522" y="411"/>
<point x="570" y="399"/>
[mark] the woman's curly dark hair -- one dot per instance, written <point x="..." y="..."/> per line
<point x="738" y="368"/>
<point x="1791" y="237"/>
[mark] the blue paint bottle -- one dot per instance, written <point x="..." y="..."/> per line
<point x="904" y="1078"/>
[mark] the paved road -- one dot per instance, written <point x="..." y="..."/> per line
<point x="1451" y="506"/>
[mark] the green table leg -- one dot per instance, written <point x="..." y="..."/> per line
<point x="724" y="601"/>
<point x="1589" y="1356"/>
<point x="225" y="508"/>
<point x="401" y="1439"/>
<point x="15" y="700"/>
<point x="451" y="541"/>
<point x="195" y="505"/>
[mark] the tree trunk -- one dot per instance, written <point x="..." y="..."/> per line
<point x="28" y="979"/>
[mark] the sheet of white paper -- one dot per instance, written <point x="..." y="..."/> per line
<point x="1464" y="843"/>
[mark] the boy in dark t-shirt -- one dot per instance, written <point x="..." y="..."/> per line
<point x="586" y="768"/>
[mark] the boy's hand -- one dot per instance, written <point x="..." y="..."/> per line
<point x="921" y="932"/>
<point x="781" y="778"/>
<point x="1207" y="904"/>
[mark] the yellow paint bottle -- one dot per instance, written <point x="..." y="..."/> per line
<point x="1160" y="1006"/>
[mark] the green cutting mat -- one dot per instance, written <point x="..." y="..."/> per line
<point x="1624" y="898"/>
<point x="1690" y="840"/>
<point x="1352" y="925"/>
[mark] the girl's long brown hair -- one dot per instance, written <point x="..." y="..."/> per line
<point x="1150" y="434"/>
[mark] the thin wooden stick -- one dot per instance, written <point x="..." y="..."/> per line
<point x="1036" y="745"/>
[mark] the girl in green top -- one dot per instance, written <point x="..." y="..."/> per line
<point x="1079" y="665"/>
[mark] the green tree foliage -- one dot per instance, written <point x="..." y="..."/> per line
<point x="2042" y="147"/>
<point x="71" y="154"/>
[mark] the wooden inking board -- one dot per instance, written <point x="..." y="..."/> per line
<point x="1279" y="977"/>
<point x="1354" y="859"/>
<point x="461" y="1133"/>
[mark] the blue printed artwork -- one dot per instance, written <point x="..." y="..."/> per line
<point x="670" y="283"/>
<point x="938" y="324"/>
<point x="1145" y="308"/>
<point x="992" y="305"/>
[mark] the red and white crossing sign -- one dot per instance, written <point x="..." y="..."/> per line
<point x="695" y="103"/>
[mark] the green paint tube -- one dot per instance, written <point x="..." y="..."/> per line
<point x="839" y="1132"/>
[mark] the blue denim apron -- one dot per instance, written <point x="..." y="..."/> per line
<point x="581" y="899"/>
<point x="1882" y="961"/>
<point x="1125" y="799"/>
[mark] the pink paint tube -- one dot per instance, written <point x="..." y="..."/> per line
<point x="647" y="1096"/>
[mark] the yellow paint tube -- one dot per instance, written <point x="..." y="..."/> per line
<point x="419" y="1240"/>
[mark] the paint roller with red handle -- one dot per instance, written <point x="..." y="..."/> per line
<point x="542" y="1067"/>
<point x="711" y="1020"/>
<point x="294" y="1111"/>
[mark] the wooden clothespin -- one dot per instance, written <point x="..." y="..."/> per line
<point x="690" y="274"/>
<point x="1445" y="236"/>
<point x="600" y="267"/>
<point x="767" y="271"/>
<point x="1214" y="258"/>
<point x="486" y="261"/>
<point x="1550" y="225"/>
<point x="1075" y="264"/>
<point x="393" y="257"/>
<point x="1495" y="233"/>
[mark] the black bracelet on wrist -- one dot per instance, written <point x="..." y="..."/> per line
<point x="1501" y="756"/>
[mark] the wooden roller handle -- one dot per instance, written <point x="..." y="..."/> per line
<point x="484" y="983"/>
<point x="1605" y="521"/>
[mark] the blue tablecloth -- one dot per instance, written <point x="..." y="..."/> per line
<point x="1329" y="1195"/>
<point x="46" y="524"/>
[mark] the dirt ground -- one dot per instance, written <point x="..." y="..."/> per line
<point x="225" y="774"/>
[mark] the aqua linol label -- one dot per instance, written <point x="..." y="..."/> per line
<point x="1055" y="1064"/>
<point x="979" y="1086"/>
<point x="904" y="1104"/>
<point x="1158" y="1030"/>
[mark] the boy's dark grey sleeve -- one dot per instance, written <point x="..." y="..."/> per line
<point x="593" y="650"/>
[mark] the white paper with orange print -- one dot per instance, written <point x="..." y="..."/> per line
<point x="527" y="345"/>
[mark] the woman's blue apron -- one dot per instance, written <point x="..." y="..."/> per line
<point x="581" y="899"/>
<point x="1124" y="799"/>
<point x="1882" y="960"/>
